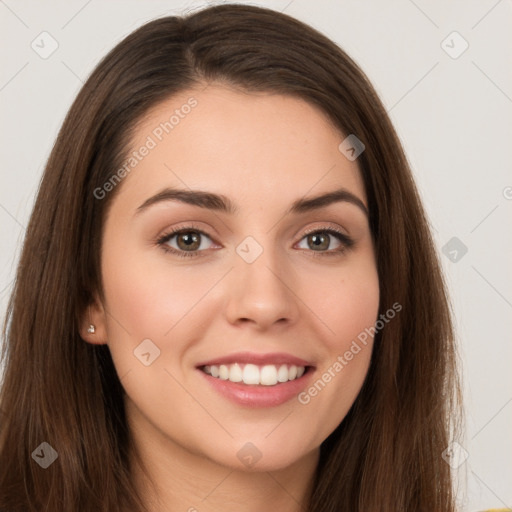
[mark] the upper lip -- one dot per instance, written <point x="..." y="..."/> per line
<point x="258" y="359"/>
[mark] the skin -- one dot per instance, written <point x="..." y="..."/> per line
<point x="263" y="151"/>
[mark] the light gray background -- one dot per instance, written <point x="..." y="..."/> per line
<point x="452" y="115"/>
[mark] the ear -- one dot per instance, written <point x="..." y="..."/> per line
<point x="94" y="315"/>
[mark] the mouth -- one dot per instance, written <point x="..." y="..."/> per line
<point x="256" y="375"/>
<point x="257" y="380"/>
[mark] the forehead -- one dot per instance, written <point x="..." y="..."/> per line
<point x="257" y="148"/>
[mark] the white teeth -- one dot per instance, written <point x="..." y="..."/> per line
<point x="235" y="373"/>
<point x="251" y="374"/>
<point x="282" y="373"/>
<point x="223" y="372"/>
<point x="269" y="375"/>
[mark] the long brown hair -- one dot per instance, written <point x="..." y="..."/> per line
<point x="386" y="455"/>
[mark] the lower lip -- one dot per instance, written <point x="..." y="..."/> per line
<point x="259" y="395"/>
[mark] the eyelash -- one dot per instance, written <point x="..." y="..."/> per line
<point x="347" y="242"/>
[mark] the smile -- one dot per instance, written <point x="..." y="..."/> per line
<point x="251" y="374"/>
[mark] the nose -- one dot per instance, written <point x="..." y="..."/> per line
<point x="261" y="293"/>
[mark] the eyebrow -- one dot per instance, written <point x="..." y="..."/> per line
<point x="221" y="203"/>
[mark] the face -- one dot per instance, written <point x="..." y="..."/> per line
<point x="231" y="315"/>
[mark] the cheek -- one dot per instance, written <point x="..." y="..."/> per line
<point x="149" y="298"/>
<point x="348" y="309"/>
<point x="345" y="302"/>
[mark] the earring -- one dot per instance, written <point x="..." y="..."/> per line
<point x="91" y="329"/>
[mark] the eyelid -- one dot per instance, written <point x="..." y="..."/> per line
<point x="322" y="228"/>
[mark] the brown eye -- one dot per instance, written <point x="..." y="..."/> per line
<point x="318" y="241"/>
<point x="185" y="242"/>
<point x="188" y="240"/>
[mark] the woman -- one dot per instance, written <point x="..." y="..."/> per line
<point x="228" y="297"/>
